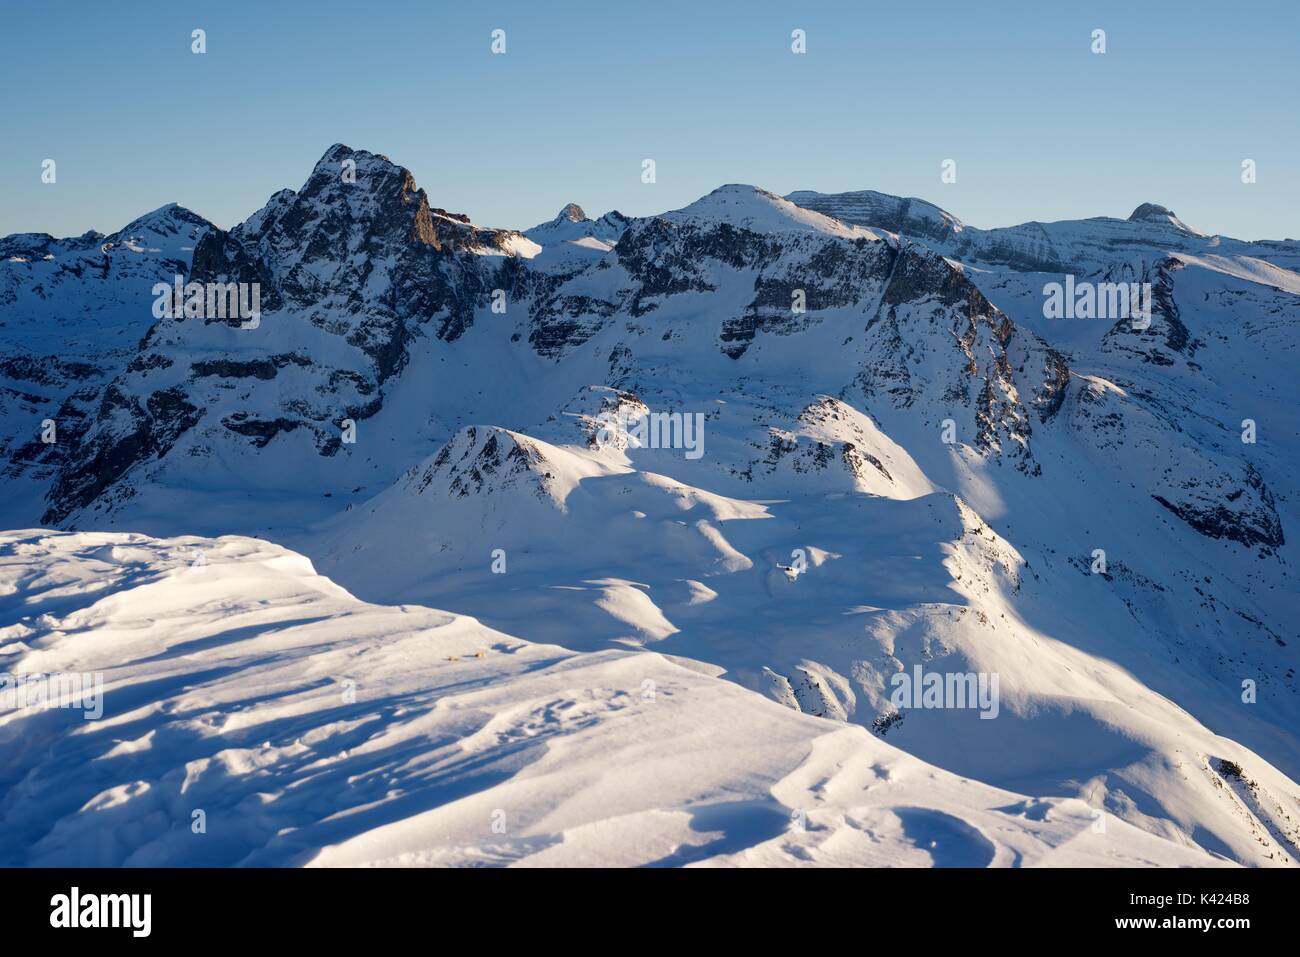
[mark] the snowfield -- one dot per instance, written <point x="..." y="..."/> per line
<point x="310" y="728"/>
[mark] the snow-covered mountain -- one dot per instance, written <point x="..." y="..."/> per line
<point x="805" y="444"/>
<point x="1078" y="246"/>
<point x="571" y="237"/>
<point x="72" y="312"/>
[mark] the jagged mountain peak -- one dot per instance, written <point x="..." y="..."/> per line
<point x="359" y="177"/>
<point x="333" y="158"/>
<point x="364" y="201"/>
<point x="376" y="174"/>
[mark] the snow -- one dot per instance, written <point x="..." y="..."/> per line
<point x="881" y="208"/>
<point x="521" y="246"/>
<point x="227" y="692"/>
<point x="1153" y="213"/>
<point x="760" y="211"/>
<point x="571" y="240"/>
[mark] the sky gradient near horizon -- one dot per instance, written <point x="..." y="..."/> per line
<point x="1040" y="127"/>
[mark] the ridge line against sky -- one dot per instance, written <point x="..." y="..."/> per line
<point x="1041" y="128"/>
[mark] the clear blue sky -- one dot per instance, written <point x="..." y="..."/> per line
<point x="1040" y="127"/>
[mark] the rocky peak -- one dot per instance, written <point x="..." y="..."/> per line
<point x="572" y="225"/>
<point x="571" y="213"/>
<point x="1149" y="212"/>
<point x="1160" y="215"/>
<point x="909" y="216"/>
<point x="356" y="201"/>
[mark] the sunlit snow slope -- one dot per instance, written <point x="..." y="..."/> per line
<point x="302" y="726"/>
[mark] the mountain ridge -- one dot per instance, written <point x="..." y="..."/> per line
<point x="891" y="405"/>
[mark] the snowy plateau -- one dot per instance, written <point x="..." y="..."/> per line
<point x="397" y="576"/>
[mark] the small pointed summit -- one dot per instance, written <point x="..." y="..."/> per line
<point x="168" y="228"/>
<point x="572" y="224"/>
<point x="1148" y="212"/>
<point x="572" y="213"/>
<point x="167" y="218"/>
<point x="1155" y="213"/>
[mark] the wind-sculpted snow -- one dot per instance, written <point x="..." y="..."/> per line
<point x="821" y="601"/>
<point x="254" y="713"/>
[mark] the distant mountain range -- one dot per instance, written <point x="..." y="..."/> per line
<point x="903" y="463"/>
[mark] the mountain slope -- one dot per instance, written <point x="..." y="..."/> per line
<point x="72" y="312"/>
<point x="256" y="714"/>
